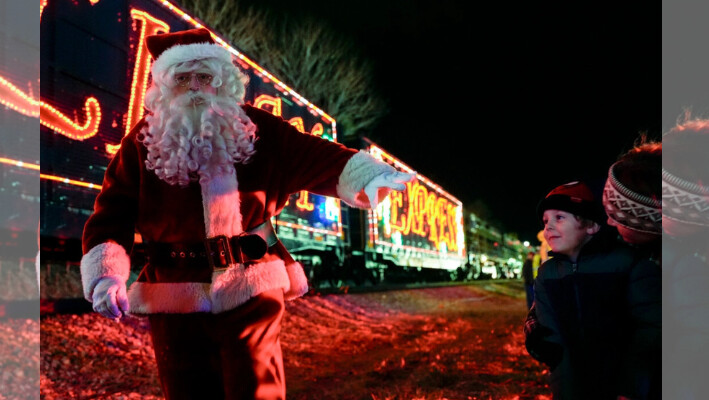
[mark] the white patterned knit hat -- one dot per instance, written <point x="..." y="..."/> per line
<point x="684" y="201"/>
<point x="631" y="209"/>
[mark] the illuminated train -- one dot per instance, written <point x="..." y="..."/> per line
<point x="419" y="235"/>
<point x="94" y="73"/>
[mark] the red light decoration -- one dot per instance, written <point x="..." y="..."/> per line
<point x="15" y="99"/>
<point x="428" y="215"/>
<point x="149" y="26"/>
<point x="60" y="123"/>
<point x="317" y="129"/>
<point x="274" y="102"/>
<point x="298" y="123"/>
<point x="303" y="202"/>
<point x="426" y="211"/>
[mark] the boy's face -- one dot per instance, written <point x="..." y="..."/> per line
<point x="565" y="234"/>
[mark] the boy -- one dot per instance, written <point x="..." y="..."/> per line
<point x="591" y="300"/>
<point x="632" y="197"/>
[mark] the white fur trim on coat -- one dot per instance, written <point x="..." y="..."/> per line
<point x="103" y="260"/>
<point x="220" y="200"/>
<point x="188" y="52"/>
<point x="149" y="298"/>
<point x="236" y="285"/>
<point x="359" y="170"/>
<point x="298" y="282"/>
<point x="229" y="289"/>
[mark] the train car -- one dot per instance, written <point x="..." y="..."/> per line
<point x="492" y="254"/>
<point x="413" y="236"/>
<point x="94" y="74"/>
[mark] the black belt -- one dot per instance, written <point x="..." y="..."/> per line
<point x="218" y="251"/>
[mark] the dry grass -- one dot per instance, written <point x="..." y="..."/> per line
<point x="18" y="279"/>
<point x="19" y="338"/>
<point x="456" y="342"/>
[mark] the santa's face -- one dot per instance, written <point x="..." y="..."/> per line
<point x="195" y="83"/>
<point x="191" y="128"/>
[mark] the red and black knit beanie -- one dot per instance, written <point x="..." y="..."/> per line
<point x="575" y="198"/>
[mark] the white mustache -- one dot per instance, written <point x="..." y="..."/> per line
<point x="192" y="98"/>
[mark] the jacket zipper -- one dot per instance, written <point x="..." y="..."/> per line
<point x="579" y="317"/>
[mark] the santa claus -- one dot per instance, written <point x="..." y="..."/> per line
<point x="199" y="177"/>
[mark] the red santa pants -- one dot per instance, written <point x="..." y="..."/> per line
<point x="231" y="355"/>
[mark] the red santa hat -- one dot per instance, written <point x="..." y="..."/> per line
<point x="169" y="49"/>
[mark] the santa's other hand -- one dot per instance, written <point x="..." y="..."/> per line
<point x="109" y="298"/>
<point x="380" y="186"/>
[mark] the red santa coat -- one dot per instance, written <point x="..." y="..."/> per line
<point x="134" y="199"/>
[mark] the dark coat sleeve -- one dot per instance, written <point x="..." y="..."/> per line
<point x="116" y="206"/>
<point x="543" y="339"/>
<point x="544" y="311"/>
<point x="306" y="162"/>
<point x="535" y="341"/>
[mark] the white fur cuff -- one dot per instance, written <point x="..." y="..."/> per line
<point x="359" y="170"/>
<point x="105" y="259"/>
<point x="298" y="282"/>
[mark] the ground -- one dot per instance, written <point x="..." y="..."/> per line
<point x="451" y="342"/>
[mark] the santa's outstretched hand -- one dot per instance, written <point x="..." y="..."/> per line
<point x="380" y="186"/>
<point x="109" y="298"/>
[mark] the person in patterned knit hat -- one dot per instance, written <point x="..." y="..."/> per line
<point x="685" y="255"/>
<point x="199" y="177"/>
<point x="596" y="312"/>
<point x="632" y="197"/>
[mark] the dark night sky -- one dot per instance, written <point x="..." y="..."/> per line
<point x="499" y="103"/>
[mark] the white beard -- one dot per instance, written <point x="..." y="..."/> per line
<point x="196" y="136"/>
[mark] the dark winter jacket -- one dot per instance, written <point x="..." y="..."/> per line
<point x="605" y="313"/>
